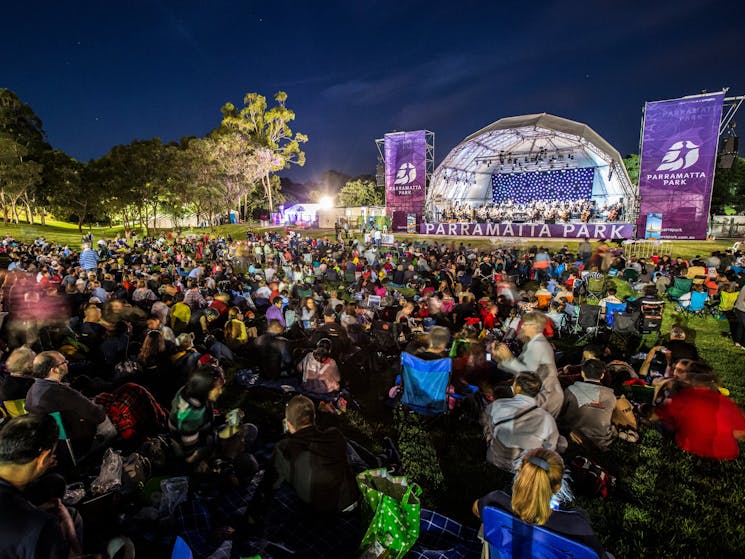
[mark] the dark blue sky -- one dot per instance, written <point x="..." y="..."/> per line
<point x="102" y="73"/>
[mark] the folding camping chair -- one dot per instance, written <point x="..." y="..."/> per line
<point x="508" y="537"/>
<point x="651" y="317"/>
<point x="680" y="287"/>
<point x="595" y="288"/>
<point x="727" y="301"/>
<point x="425" y="384"/>
<point x="610" y="310"/>
<point x="63" y="436"/>
<point x="15" y="408"/>
<point x="587" y="321"/>
<point x="695" y="305"/>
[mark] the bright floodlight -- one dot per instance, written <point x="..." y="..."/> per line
<point x="326" y="202"/>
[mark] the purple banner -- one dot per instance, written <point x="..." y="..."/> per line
<point x="679" y="151"/>
<point x="537" y="230"/>
<point x="405" y="176"/>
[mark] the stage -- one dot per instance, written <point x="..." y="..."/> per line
<point x="610" y="231"/>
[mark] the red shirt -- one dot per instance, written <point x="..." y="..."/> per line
<point x="703" y="421"/>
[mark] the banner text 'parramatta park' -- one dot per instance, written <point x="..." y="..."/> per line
<point x="537" y="230"/>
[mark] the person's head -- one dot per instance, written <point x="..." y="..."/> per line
<point x="185" y="341"/>
<point x="153" y="322"/>
<point x="51" y="365"/>
<point x="677" y="333"/>
<point x="274" y="326"/>
<point x="592" y="369"/>
<point x="92" y="313"/>
<point x="527" y="383"/>
<point x="300" y="413"/>
<point x="533" y="324"/>
<point x="439" y="338"/>
<point x="538" y="479"/>
<point x="21" y="361"/>
<point x="234" y="313"/>
<point x="205" y="384"/>
<point x="612" y="291"/>
<point x="700" y="375"/>
<point x="277" y="302"/>
<point x="680" y="367"/>
<point x="27" y="446"/>
<point x="153" y="344"/>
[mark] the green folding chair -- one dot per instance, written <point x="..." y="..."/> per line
<point x="15" y="408"/>
<point x="63" y="436"/>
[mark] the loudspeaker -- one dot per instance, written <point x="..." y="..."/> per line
<point x="729" y="152"/>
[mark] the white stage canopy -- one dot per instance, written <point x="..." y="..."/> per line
<point x="522" y="144"/>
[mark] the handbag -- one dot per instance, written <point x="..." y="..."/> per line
<point x="392" y="505"/>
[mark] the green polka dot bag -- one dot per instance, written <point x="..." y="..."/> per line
<point x="392" y="506"/>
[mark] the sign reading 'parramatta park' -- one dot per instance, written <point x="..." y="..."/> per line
<point x="537" y="230"/>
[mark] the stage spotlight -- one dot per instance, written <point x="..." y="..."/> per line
<point x="326" y="202"/>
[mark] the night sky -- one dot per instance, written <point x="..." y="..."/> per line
<point x="106" y="72"/>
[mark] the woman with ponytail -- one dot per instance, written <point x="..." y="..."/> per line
<point x="540" y="497"/>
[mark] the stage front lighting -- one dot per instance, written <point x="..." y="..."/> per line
<point x="326" y="202"/>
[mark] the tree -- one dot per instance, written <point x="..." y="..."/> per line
<point x="265" y="137"/>
<point x="72" y="187"/>
<point x="631" y="162"/>
<point x="18" y="175"/>
<point x="22" y="146"/>
<point x="729" y="187"/>
<point x="361" y="192"/>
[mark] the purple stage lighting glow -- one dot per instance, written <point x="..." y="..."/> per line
<point x="564" y="184"/>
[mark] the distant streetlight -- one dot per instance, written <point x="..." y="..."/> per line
<point x="326" y="202"/>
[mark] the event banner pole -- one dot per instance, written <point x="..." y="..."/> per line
<point x="405" y="155"/>
<point x="680" y="139"/>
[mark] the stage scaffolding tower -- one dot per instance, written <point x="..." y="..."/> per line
<point x="429" y="160"/>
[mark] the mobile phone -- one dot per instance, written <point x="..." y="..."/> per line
<point x="488" y="356"/>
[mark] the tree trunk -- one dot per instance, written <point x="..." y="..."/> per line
<point x="29" y="214"/>
<point x="43" y="215"/>
<point x="268" y="190"/>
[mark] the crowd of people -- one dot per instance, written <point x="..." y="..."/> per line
<point x="535" y="211"/>
<point x="136" y="346"/>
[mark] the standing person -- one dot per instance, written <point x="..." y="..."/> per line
<point x="88" y="258"/>
<point x="739" y="310"/>
<point x="585" y="251"/>
<point x="27" y="446"/>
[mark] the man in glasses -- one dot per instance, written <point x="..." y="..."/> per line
<point x="82" y="418"/>
<point x="27" y="446"/>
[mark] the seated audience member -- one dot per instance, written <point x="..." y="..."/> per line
<point x="331" y="330"/>
<point x="439" y="344"/>
<point x="319" y="370"/>
<point x="20" y="375"/>
<point x="27" y="445"/>
<point x="679" y="347"/>
<point x="314" y="461"/>
<point x="512" y="425"/>
<point x="83" y="419"/>
<point x="538" y="493"/>
<point x="588" y="407"/>
<point x="702" y="420"/>
<point x="192" y="417"/>
<point x="273" y="352"/>
<point x="274" y="311"/>
<point x="609" y="298"/>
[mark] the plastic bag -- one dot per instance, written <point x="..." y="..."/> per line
<point x="110" y="476"/>
<point x="175" y="490"/>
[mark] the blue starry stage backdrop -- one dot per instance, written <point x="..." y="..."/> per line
<point x="522" y="188"/>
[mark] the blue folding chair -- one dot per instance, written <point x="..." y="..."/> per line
<point x="181" y="549"/>
<point x="696" y="304"/>
<point x="425" y="384"/>
<point x="509" y="537"/>
<point x="611" y="309"/>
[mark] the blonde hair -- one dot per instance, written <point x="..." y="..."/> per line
<point x="535" y="317"/>
<point x="538" y="478"/>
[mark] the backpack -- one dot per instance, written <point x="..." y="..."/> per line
<point x="590" y="478"/>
